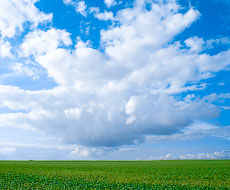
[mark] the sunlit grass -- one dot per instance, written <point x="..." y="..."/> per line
<point x="210" y="174"/>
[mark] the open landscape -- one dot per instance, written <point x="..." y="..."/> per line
<point x="114" y="94"/>
<point x="190" y="174"/>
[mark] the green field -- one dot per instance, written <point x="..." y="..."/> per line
<point x="211" y="174"/>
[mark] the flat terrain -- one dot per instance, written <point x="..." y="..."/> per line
<point x="211" y="174"/>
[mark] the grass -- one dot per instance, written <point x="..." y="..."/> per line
<point x="206" y="174"/>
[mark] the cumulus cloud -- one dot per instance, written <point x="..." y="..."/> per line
<point x="80" y="6"/>
<point x="102" y="15"/>
<point x="80" y="153"/>
<point x="123" y="93"/>
<point x="68" y="2"/>
<point x="195" y="44"/>
<point x="200" y="156"/>
<point x="41" y="42"/>
<point x="110" y="3"/>
<point x="73" y="113"/>
<point x="12" y="22"/>
<point x="216" y="155"/>
<point x="103" y="120"/>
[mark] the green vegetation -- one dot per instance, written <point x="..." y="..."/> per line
<point x="210" y="174"/>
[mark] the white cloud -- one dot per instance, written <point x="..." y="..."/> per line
<point x="195" y="44"/>
<point x="5" y="49"/>
<point x="168" y="156"/>
<point x="138" y="37"/>
<point x="130" y="108"/>
<point x="39" y="42"/>
<point x="68" y="2"/>
<point x="44" y="46"/>
<point x="21" y="69"/>
<point x="81" y="8"/>
<point x="104" y="15"/>
<point x="80" y="153"/>
<point x="212" y="42"/>
<point x="155" y="114"/>
<point x="129" y="149"/>
<point x="200" y="156"/>
<point x="66" y="67"/>
<point x="73" y="113"/>
<point x="199" y="128"/>
<point x="110" y="3"/>
<point x="11" y="22"/>
<point x="207" y="156"/>
<point x="121" y="94"/>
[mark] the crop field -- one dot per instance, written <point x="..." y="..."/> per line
<point x="211" y="174"/>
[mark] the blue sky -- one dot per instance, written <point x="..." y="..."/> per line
<point x="114" y="80"/>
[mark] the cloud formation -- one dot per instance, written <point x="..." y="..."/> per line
<point x="5" y="49"/>
<point x="11" y="22"/>
<point x="200" y="156"/>
<point x="110" y="3"/>
<point x="122" y="93"/>
<point x="79" y="6"/>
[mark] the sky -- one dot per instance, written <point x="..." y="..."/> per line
<point x="114" y="79"/>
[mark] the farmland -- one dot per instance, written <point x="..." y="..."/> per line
<point x="209" y="174"/>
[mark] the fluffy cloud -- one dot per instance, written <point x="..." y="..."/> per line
<point x="110" y="3"/>
<point x="102" y="120"/>
<point x="40" y="42"/>
<point x="80" y="153"/>
<point x="68" y="2"/>
<point x="216" y="155"/>
<point x="5" y="49"/>
<point x="12" y="22"/>
<point x="80" y="6"/>
<point x="200" y="156"/>
<point x="124" y="93"/>
<point x="195" y="44"/>
<point x="102" y="15"/>
<point x="73" y="113"/>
